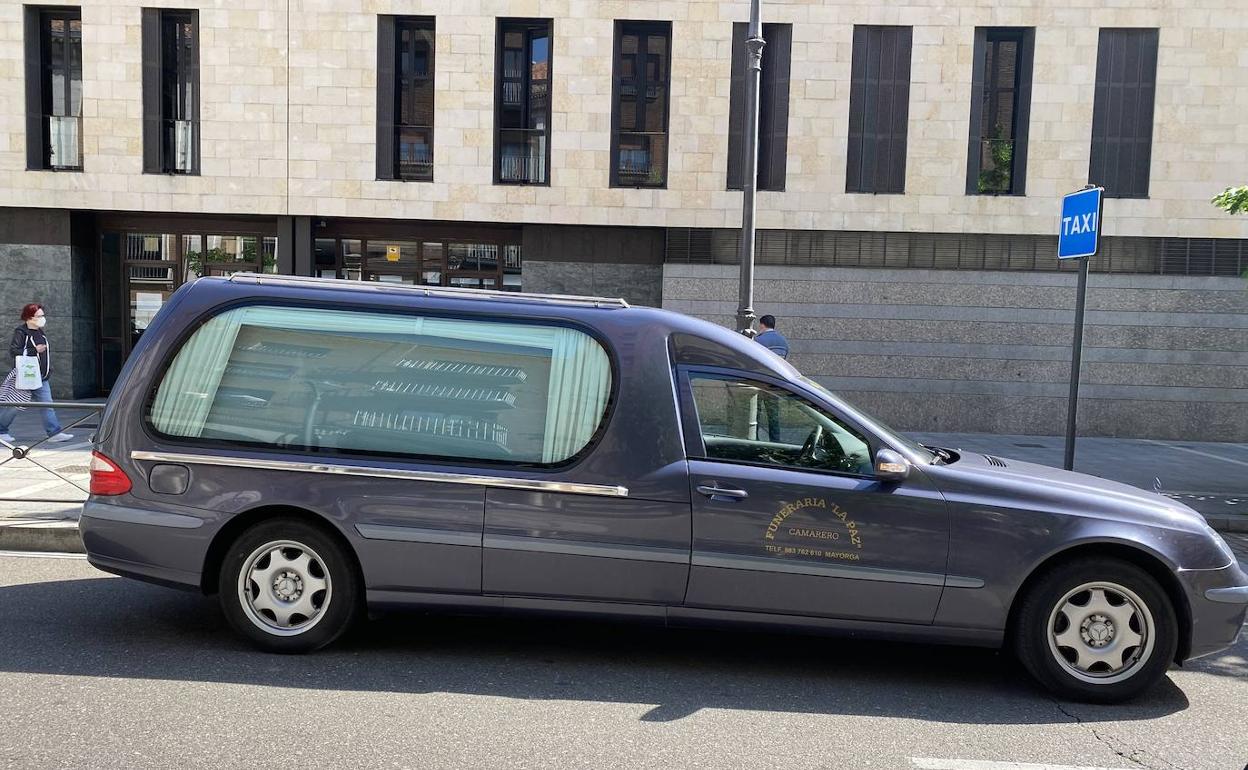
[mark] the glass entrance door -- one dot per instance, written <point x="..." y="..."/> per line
<point x="139" y="271"/>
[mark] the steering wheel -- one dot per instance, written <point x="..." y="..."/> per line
<point x="813" y="452"/>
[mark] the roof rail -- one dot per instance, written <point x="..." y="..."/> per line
<point x="451" y="292"/>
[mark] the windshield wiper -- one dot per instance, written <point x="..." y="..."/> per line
<point x="940" y="454"/>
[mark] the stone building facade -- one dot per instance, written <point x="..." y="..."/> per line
<point x="287" y="103"/>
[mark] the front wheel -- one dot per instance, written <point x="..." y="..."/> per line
<point x="1097" y="630"/>
<point x="288" y="586"/>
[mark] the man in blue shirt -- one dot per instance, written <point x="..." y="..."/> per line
<point x="771" y="339"/>
<point x="774" y="341"/>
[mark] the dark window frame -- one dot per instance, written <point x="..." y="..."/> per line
<point x="1116" y="49"/>
<point x="866" y="142"/>
<point x="171" y="88"/>
<point x="984" y="84"/>
<point x="773" y="108"/>
<point x="644" y="29"/>
<point x="390" y="94"/>
<point x="39" y="93"/>
<point x="528" y="27"/>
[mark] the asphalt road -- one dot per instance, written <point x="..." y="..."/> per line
<point x="103" y="672"/>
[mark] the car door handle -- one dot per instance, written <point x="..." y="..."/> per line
<point x="717" y="491"/>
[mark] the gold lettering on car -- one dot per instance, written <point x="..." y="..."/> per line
<point x="849" y="539"/>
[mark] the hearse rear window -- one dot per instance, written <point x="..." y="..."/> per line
<point x="325" y="380"/>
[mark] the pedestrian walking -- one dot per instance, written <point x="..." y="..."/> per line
<point x="30" y="342"/>
<point x="774" y="341"/>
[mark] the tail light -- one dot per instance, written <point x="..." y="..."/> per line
<point x="106" y="477"/>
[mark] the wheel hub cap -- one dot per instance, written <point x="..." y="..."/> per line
<point x="1101" y="632"/>
<point x="284" y="588"/>
<point x="1097" y="630"/>
<point x="288" y="585"/>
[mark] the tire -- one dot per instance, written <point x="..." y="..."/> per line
<point x="1069" y="631"/>
<point x="289" y="587"/>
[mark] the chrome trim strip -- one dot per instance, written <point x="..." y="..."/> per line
<point x="953" y="581"/>
<point x="1233" y="595"/>
<point x="130" y="515"/>
<point x="579" y="548"/>
<point x="502" y="482"/>
<point x="418" y="535"/>
<point x="769" y="564"/>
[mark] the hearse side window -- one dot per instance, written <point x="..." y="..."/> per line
<point x="326" y="380"/>
<point x="746" y="421"/>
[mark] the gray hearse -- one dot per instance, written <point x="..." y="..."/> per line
<point x="307" y="449"/>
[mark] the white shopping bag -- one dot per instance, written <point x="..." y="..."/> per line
<point x="28" y="377"/>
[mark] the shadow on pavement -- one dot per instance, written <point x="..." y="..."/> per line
<point x="113" y="628"/>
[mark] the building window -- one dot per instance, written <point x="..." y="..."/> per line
<point x="405" y="67"/>
<point x="1122" y="115"/>
<point x="522" y="102"/>
<point x="53" y="88"/>
<point x="879" y="109"/>
<point x="170" y="91"/>
<point x="773" y="107"/>
<point x="1000" y="109"/>
<point x="639" y="119"/>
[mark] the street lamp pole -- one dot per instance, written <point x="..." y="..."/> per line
<point x="753" y="73"/>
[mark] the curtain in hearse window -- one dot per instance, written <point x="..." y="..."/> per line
<point x="327" y="380"/>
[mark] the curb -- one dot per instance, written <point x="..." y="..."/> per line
<point x="54" y="536"/>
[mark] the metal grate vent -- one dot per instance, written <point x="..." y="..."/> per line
<point x="957" y="251"/>
<point x="997" y="461"/>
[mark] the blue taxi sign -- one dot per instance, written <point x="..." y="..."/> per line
<point x="1079" y="233"/>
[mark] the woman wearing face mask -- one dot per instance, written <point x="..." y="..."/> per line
<point x="29" y="339"/>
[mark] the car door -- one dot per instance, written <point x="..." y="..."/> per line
<point x="788" y="517"/>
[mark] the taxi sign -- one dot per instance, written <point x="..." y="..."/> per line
<point x="1079" y="233"/>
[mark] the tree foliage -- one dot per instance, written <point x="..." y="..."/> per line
<point x="1233" y="200"/>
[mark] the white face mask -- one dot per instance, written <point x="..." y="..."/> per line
<point x="40" y="322"/>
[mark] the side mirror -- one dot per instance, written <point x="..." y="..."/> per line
<point x="891" y="466"/>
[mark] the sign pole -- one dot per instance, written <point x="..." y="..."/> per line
<point x="1076" y="357"/>
<point x="1079" y="238"/>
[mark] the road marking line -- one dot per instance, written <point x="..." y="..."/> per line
<point x="43" y="555"/>
<point x="1198" y="452"/>
<point x="924" y="763"/>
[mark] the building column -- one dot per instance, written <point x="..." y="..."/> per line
<point x="294" y="246"/>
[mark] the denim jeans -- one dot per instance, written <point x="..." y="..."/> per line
<point x="50" y="423"/>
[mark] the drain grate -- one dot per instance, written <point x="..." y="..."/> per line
<point x="1031" y="446"/>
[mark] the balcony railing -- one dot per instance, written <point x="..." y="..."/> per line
<point x="64" y="142"/>
<point x="641" y="159"/>
<point x="180" y="146"/>
<point x="414" y="146"/>
<point x="522" y="156"/>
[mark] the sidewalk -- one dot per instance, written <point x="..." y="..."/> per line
<point x="39" y="510"/>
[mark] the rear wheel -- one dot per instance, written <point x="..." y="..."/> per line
<point x="288" y="586"/>
<point x="1096" y="630"/>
